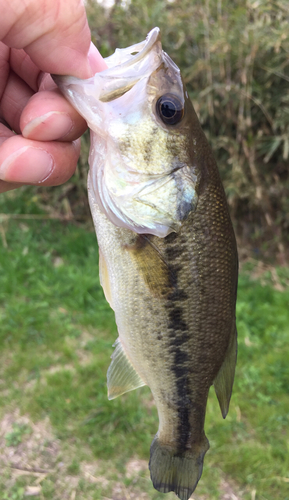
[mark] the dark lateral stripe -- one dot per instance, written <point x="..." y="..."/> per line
<point x="183" y="428"/>
<point x="183" y="402"/>
<point x="176" y="322"/>
<point x="178" y="338"/>
<point x="178" y="335"/>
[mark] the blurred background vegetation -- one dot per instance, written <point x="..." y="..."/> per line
<point x="234" y="57"/>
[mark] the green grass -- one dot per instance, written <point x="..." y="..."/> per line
<point x="56" y="336"/>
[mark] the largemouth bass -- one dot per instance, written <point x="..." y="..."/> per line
<point x="168" y="258"/>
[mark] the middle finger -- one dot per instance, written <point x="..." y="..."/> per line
<point x="14" y="99"/>
<point x="49" y="116"/>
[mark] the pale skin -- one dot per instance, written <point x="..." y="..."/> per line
<point x="39" y="129"/>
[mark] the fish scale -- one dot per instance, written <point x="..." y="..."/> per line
<point x="168" y="257"/>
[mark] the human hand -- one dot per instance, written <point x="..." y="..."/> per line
<point x="39" y="37"/>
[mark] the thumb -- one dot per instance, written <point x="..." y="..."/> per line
<point x="54" y="33"/>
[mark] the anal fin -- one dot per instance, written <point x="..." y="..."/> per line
<point x="223" y="382"/>
<point x="121" y="375"/>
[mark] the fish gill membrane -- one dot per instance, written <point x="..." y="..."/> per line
<point x="168" y="259"/>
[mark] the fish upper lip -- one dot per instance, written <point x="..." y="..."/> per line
<point x="142" y="50"/>
<point x="152" y="37"/>
<point x="145" y="47"/>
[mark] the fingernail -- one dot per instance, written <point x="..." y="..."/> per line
<point x="27" y="165"/>
<point x="96" y="61"/>
<point x="52" y="126"/>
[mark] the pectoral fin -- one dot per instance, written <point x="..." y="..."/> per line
<point x="223" y="382"/>
<point x="121" y="375"/>
<point x="152" y="267"/>
<point x="104" y="278"/>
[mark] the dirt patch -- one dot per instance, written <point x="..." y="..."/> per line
<point x="25" y="444"/>
<point x="92" y="472"/>
<point x="135" y="466"/>
<point x="230" y="491"/>
<point x="31" y="455"/>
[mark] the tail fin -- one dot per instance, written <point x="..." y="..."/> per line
<point x="176" y="472"/>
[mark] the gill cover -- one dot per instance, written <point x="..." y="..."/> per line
<point x="139" y="175"/>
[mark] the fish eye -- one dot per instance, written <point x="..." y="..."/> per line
<point x="170" y="109"/>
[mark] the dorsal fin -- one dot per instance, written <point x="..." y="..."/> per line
<point x="121" y="375"/>
<point x="223" y="382"/>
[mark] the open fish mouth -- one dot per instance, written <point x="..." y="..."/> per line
<point x="136" y="110"/>
<point x="125" y="68"/>
<point x="131" y="64"/>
